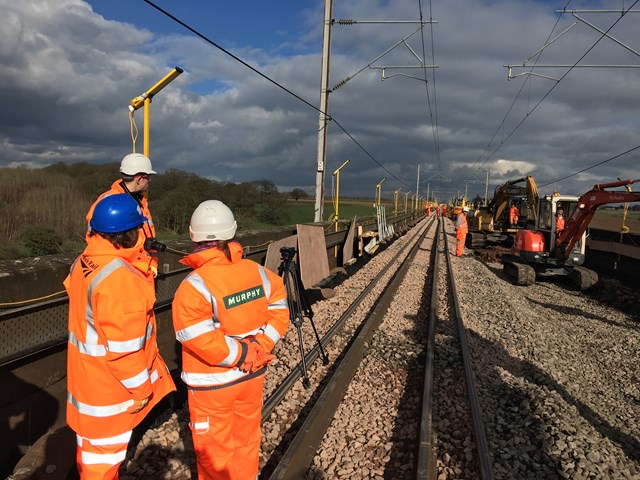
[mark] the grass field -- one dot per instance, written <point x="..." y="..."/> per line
<point x="302" y="211"/>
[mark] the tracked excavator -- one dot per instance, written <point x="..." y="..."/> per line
<point x="491" y="224"/>
<point x="549" y="251"/>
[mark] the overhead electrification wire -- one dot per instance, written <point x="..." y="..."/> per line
<point x="593" y="166"/>
<point x="551" y="89"/>
<point x="255" y="70"/>
<point x="522" y="87"/>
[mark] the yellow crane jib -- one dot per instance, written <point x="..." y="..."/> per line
<point x="144" y="100"/>
<point x="138" y="102"/>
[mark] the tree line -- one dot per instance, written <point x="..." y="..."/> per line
<point x="42" y="211"/>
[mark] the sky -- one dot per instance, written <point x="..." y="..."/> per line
<point x="71" y="67"/>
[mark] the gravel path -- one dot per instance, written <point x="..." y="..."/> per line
<point x="557" y="374"/>
<point x="556" y="371"/>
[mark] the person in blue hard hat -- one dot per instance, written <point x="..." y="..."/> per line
<point x="115" y="374"/>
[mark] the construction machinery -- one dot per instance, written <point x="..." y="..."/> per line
<point x="546" y="250"/>
<point x="491" y="224"/>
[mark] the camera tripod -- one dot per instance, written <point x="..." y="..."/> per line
<point x="299" y="307"/>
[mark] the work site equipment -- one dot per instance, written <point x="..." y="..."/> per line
<point x="491" y="224"/>
<point x="212" y="220"/>
<point x="547" y="251"/>
<point x="116" y="213"/>
<point x="135" y="163"/>
<point x="299" y="308"/>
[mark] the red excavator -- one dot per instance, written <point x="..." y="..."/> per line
<point x="546" y="250"/>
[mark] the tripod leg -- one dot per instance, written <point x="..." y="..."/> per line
<point x="306" y="308"/>
<point x="306" y="383"/>
<point x="296" y="317"/>
<point x="325" y="358"/>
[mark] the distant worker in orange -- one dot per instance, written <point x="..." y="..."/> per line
<point x="513" y="215"/>
<point x="136" y="171"/>
<point x="115" y="374"/>
<point x="428" y="211"/>
<point x="228" y="313"/>
<point x="559" y="221"/>
<point x="462" y="229"/>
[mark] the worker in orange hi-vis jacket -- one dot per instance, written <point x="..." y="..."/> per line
<point x="228" y="313"/>
<point x="136" y="171"/>
<point x="462" y="229"/>
<point x="115" y="374"/>
<point x="559" y="221"/>
<point x="513" y="215"/>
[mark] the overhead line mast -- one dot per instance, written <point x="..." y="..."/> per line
<point x="324" y="105"/>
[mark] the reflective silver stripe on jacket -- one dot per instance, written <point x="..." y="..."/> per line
<point x="232" y="343"/>
<point x="139" y="379"/>
<point x="209" y="379"/>
<point x="271" y="332"/>
<point x="99" y="410"/>
<point x="196" y="330"/>
<point x="91" y="350"/>
<point x="279" y="305"/>
<point x="136" y="380"/>
<point x="91" y="346"/>
<point x="266" y="283"/>
<point x="196" y="281"/>
<point x="134" y="345"/>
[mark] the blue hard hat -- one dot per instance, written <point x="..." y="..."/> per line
<point x="116" y="213"/>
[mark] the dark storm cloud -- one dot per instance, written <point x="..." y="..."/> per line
<point x="68" y="76"/>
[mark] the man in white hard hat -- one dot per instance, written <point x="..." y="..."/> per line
<point x="136" y="171"/>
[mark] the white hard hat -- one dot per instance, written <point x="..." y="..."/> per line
<point x="212" y="220"/>
<point x="465" y="209"/>
<point x="136" y="163"/>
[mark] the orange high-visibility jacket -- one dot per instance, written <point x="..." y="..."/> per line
<point x="219" y="303"/>
<point x="144" y="261"/>
<point x="117" y="187"/>
<point x="513" y="214"/>
<point x="113" y="359"/>
<point x="462" y="226"/>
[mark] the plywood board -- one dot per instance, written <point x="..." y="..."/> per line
<point x="312" y="254"/>
<point x="347" y="248"/>
<point x="273" y="259"/>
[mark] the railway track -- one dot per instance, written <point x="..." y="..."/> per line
<point x="367" y="414"/>
<point x="555" y="375"/>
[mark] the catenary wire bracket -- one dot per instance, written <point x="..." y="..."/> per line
<point x="579" y="19"/>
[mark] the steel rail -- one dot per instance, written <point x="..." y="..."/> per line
<point x="276" y="397"/>
<point x="297" y="459"/>
<point x="482" y="448"/>
<point x="426" y="466"/>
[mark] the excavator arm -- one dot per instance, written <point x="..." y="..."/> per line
<point x="587" y="205"/>
<point x="532" y="197"/>
<point x="503" y="195"/>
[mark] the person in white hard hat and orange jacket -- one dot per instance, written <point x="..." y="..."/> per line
<point x="228" y="314"/>
<point x="462" y="229"/>
<point x="559" y="221"/>
<point x="115" y="374"/>
<point x="136" y="171"/>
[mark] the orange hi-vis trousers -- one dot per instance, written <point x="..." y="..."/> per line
<point x="99" y="458"/>
<point x="461" y="235"/>
<point x="225" y="425"/>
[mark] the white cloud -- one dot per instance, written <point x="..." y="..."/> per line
<point x="68" y="76"/>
